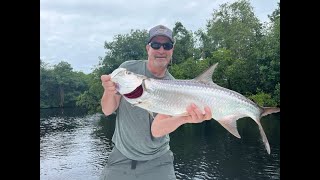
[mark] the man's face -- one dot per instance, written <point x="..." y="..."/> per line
<point x="159" y="57"/>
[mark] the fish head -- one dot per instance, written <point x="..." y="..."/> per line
<point x="126" y="81"/>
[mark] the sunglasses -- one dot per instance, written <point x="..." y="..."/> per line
<point x="157" y="45"/>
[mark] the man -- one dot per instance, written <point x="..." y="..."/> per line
<point x="142" y="148"/>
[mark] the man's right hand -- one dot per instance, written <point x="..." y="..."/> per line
<point x="110" y="100"/>
<point x="108" y="85"/>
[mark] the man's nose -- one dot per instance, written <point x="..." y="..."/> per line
<point x="161" y="49"/>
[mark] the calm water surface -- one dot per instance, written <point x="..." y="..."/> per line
<point x="75" y="146"/>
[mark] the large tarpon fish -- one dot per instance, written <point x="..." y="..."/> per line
<point x="171" y="97"/>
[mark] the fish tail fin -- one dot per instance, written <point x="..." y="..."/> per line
<point x="266" y="111"/>
<point x="263" y="136"/>
<point x="269" y="110"/>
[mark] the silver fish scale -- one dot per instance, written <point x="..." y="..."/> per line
<point x="172" y="97"/>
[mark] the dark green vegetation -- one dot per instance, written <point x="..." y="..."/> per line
<point x="247" y="50"/>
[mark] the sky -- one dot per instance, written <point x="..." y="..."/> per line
<point x="75" y="30"/>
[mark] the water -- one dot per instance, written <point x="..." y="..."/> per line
<point x="75" y="146"/>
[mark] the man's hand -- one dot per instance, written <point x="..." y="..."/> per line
<point x="110" y="100"/>
<point x="165" y="124"/>
<point x="195" y="114"/>
<point x="108" y="85"/>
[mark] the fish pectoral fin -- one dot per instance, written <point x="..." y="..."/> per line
<point x="137" y="103"/>
<point x="151" y="114"/>
<point x="230" y="124"/>
<point x="134" y="104"/>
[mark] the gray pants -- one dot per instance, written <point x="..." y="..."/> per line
<point x="120" y="167"/>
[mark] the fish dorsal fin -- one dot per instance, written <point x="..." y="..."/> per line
<point x="230" y="123"/>
<point x="206" y="76"/>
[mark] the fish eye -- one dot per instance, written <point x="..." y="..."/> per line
<point x="128" y="72"/>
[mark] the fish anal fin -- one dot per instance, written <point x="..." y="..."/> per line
<point x="230" y="123"/>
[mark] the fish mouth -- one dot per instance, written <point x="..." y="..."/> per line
<point x="135" y="93"/>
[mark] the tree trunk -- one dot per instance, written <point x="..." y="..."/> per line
<point x="229" y="84"/>
<point x="61" y="93"/>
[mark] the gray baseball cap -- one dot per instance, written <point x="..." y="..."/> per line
<point x="160" y="30"/>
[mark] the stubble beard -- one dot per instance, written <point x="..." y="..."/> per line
<point x="160" y="63"/>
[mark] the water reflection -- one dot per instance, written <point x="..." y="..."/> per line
<point x="74" y="145"/>
<point x="208" y="151"/>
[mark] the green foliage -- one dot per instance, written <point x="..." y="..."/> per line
<point x="48" y="87"/>
<point x="60" y="86"/>
<point x="268" y="54"/>
<point x="90" y="99"/>
<point x="277" y="94"/>
<point x="263" y="99"/>
<point x="125" y="47"/>
<point x="224" y="58"/>
<point x="234" y="27"/>
<point x="188" y="69"/>
<point x="275" y="14"/>
<point x="184" y="43"/>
